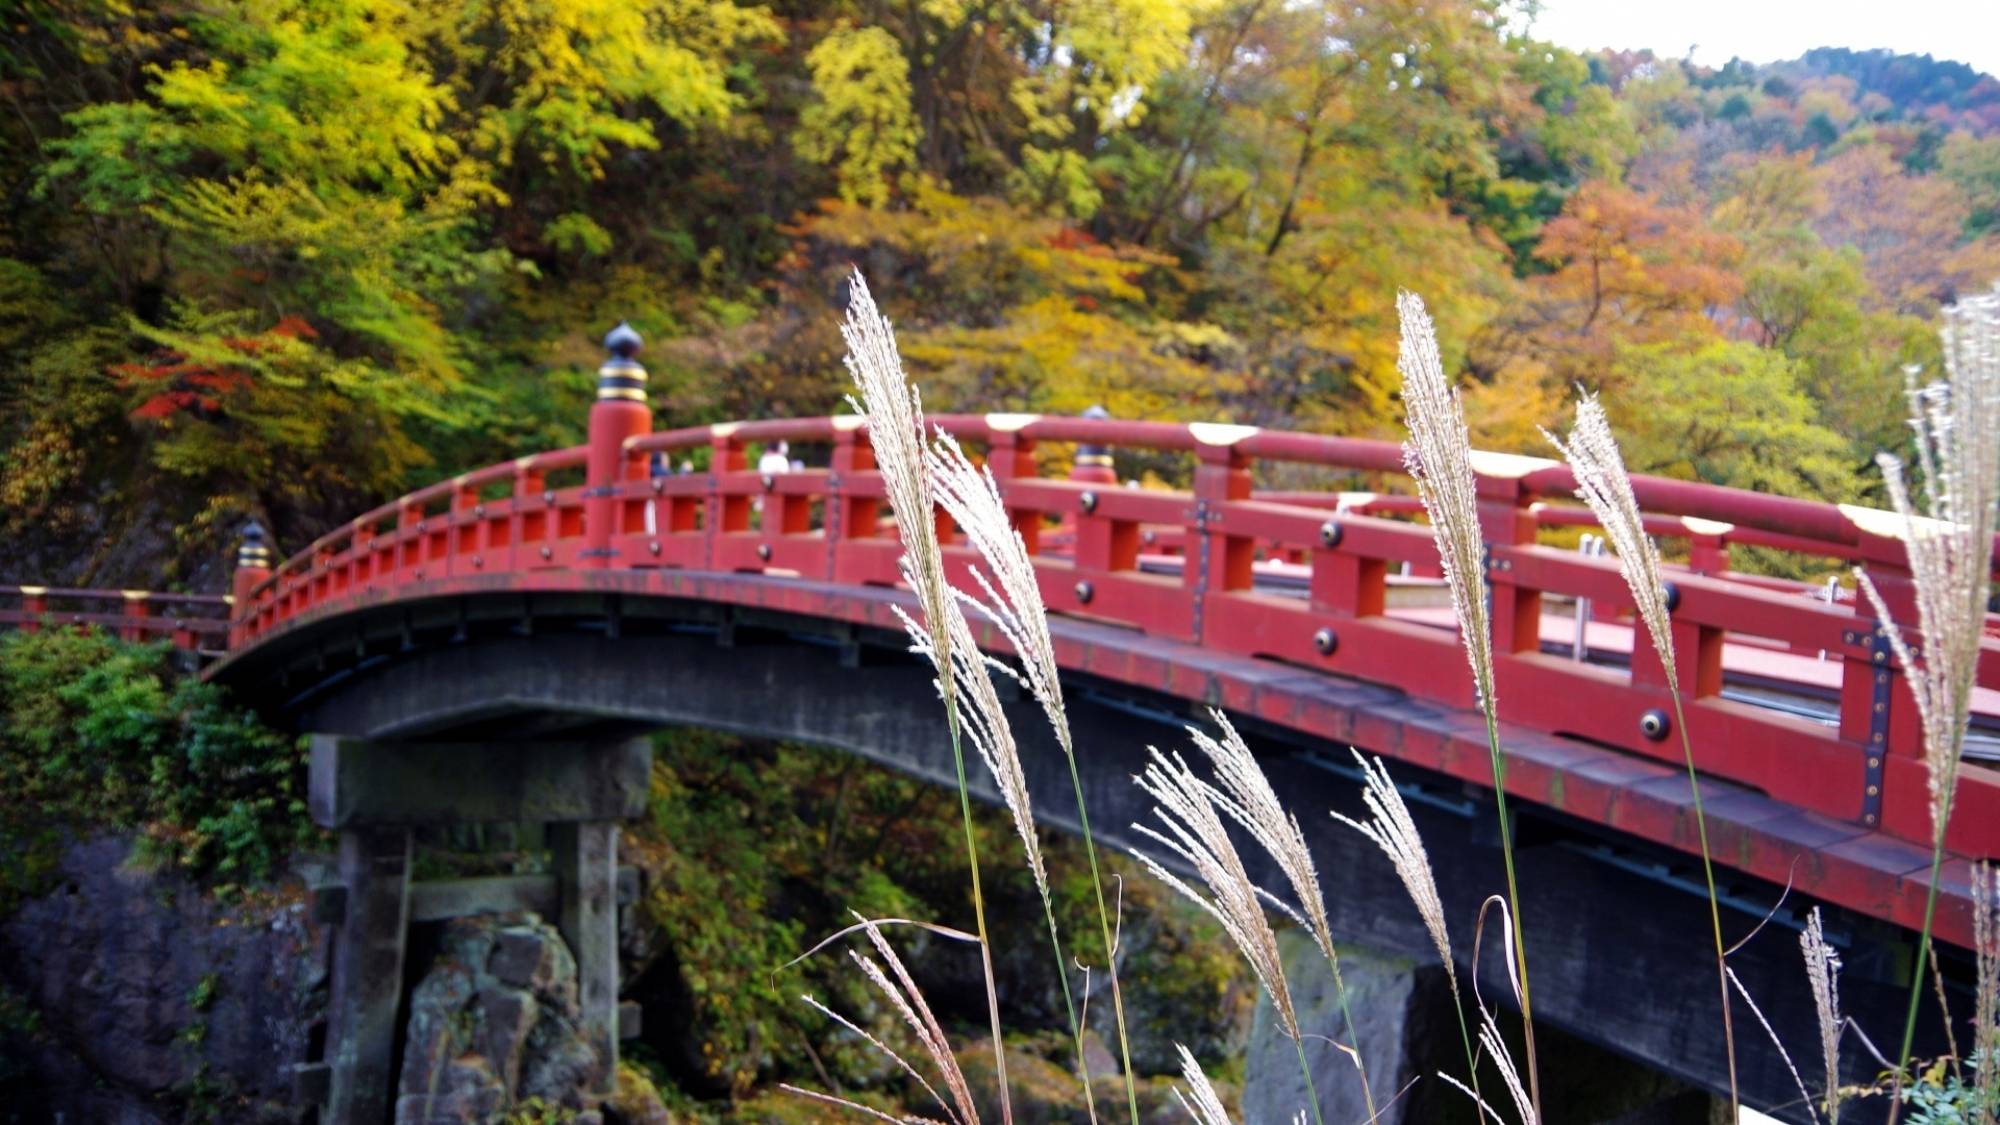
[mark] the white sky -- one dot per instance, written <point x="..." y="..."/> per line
<point x="1967" y="31"/>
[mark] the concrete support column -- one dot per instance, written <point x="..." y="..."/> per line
<point x="585" y="857"/>
<point x="367" y="985"/>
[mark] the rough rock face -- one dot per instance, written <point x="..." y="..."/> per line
<point x="150" y="996"/>
<point x="494" y="1025"/>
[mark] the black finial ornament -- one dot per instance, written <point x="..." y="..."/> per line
<point x="252" y="549"/>
<point x="621" y="377"/>
<point x="1090" y="454"/>
<point x="623" y="341"/>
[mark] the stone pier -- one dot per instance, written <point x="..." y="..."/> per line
<point x="375" y="795"/>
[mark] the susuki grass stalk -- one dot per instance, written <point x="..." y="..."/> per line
<point x="896" y="986"/>
<point x="1200" y="1100"/>
<point x="1192" y="829"/>
<point x="1439" y="456"/>
<point x="1986" y="999"/>
<point x="1246" y="795"/>
<point x="1601" y="482"/>
<point x="896" y="432"/>
<point x="1392" y="830"/>
<point x="1823" y="974"/>
<point x="1013" y="603"/>
<point x="1950" y="550"/>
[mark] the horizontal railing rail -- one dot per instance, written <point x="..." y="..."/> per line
<point x="192" y="622"/>
<point x="830" y="524"/>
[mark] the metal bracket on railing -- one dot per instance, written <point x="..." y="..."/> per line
<point x="1201" y="516"/>
<point x="1882" y="679"/>
<point x="1589" y="546"/>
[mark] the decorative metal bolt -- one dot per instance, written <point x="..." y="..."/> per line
<point x="1148" y="537"/>
<point x="1325" y="641"/>
<point x="548" y="495"/>
<point x="477" y="562"/>
<point x="764" y="551"/>
<point x="1654" y="724"/>
<point x="546" y="552"/>
<point x="659" y="485"/>
<point x="769" y="480"/>
<point x="1084" y="592"/>
<point x="1673" y="593"/>
<point x="654" y="546"/>
<point x="1873" y="790"/>
<point x="1089" y="501"/>
<point x="479" y="511"/>
<point x="1874" y="763"/>
<point x="1329" y="533"/>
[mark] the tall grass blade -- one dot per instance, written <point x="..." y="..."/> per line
<point x="1247" y="797"/>
<point x="1601" y="483"/>
<point x="1012" y="601"/>
<point x="1191" y="827"/>
<point x="1823" y="973"/>
<point x="895" y="414"/>
<point x="1949" y="544"/>
<point x="1439" y="456"/>
<point x="1391" y="828"/>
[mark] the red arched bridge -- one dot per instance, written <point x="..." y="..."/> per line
<point x="483" y="604"/>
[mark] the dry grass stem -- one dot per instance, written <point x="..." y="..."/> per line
<point x="1439" y="456"/>
<point x="1013" y="599"/>
<point x="1949" y="546"/>
<point x="1603" y="485"/>
<point x="985" y="725"/>
<point x="1805" y="1096"/>
<point x="1246" y="795"/>
<point x="1950" y="542"/>
<point x="1194" y="831"/>
<point x="895" y="414"/>
<point x="1823" y="973"/>
<point x="897" y="987"/>
<point x="1986" y="998"/>
<point x="1392" y="830"/>
<point x="1013" y="603"/>
<point x="1198" y="1097"/>
<point x="1491" y="1043"/>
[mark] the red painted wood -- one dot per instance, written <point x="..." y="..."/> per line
<point x="1182" y="568"/>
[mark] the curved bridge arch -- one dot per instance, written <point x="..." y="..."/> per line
<point x="610" y="655"/>
<point x="443" y="612"/>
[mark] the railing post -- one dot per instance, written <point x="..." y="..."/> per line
<point x="1010" y="456"/>
<point x="849" y="516"/>
<point x="1093" y="463"/>
<point x="137" y="608"/>
<point x="1708" y="545"/>
<point x="728" y="513"/>
<point x="1507" y="519"/>
<point x="1877" y="711"/>
<point x="253" y="566"/>
<point x="620" y="413"/>
<point x="1216" y="560"/>
<point x="530" y="550"/>
<point x="34" y="603"/>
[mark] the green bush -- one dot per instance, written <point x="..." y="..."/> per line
<point x="99" y="733"/>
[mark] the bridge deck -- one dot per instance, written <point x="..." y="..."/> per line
<point x="1276" y="603"/>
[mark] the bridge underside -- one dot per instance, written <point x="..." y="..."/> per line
<point x="1612" y="902"/>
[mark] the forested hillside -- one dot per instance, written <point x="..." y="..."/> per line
<point x="284" y="258"/>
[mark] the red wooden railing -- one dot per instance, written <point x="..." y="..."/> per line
<point x="828" y="524"/>
<point x="194" y="622"/>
